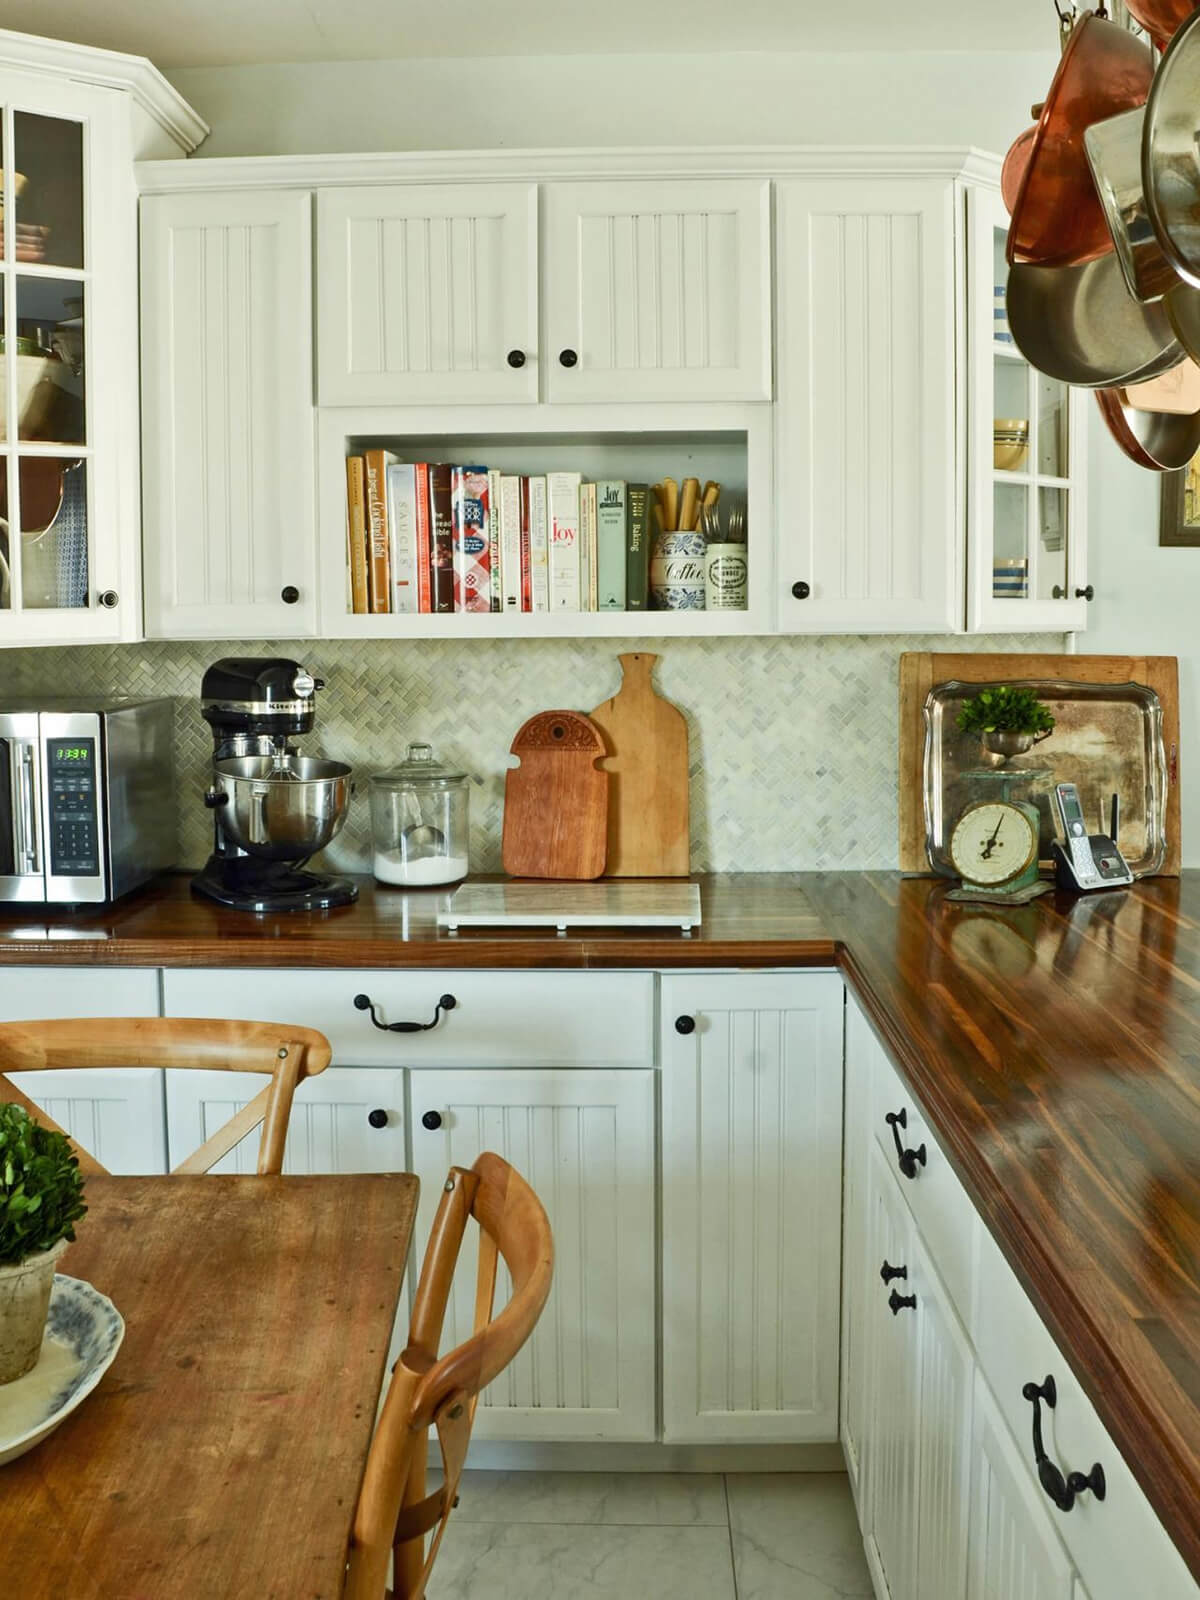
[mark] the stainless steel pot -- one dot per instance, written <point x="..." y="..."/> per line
<point x="1114" y="152"/>
<point x="1170" y="163"/>
<point x="281" y="810"/>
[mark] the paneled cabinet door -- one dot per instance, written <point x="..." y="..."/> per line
<point x="657" y="290"/>
<point x="584" y="1139"/>
<point x="751" y="1171"/>
<point x="946" y="1371"/>
<point x="116" y="1114"/>
<point x="889" y="1441"/>
<point x="227" y="416"/>
<point x="427" y="293"/>
<point x="868" y="525"/>
<point x="861" y="1049"/>
<point x="1013" y="1548"/>
<point x="349" y="1119"/>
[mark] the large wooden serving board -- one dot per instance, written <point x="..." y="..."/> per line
<point x="921" y="671"/>
<point x="648" y="777"/>
<point x="556" y="801"/>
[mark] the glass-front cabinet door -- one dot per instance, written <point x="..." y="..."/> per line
<point x="1026" y="467"/>
<point x="65" y="415"/>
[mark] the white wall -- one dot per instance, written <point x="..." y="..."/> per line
<point x="522" y="102"/>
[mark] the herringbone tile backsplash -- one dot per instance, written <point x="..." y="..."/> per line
<point x="793" y="743"/>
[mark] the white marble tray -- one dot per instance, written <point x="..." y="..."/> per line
<point x="615" y="903"/>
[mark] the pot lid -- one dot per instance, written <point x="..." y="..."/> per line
<point x="418" y="766"/>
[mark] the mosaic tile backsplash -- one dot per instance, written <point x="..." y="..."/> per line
<point x="793" y="745"/>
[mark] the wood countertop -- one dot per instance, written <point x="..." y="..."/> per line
<point x="1055" y="1048"/>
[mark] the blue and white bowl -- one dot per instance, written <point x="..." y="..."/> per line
<point x="83" y="1334"/>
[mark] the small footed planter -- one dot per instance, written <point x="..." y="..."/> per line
<point x="1005" y="742"/>
<point x="24" y="1301"/>
<point x="1007" y="720"/>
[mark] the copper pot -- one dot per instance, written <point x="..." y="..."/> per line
<point x="1016" y="164"/>
<point x="1160" y="441"/>
<point x="1057" y="218"/>
<point x="1160" y="18"/>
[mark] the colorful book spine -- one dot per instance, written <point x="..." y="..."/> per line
<point x="539" y="545"/>
<point x="402" y="531"/>
<point x="510" y="543"/>
<point x="562" y="499"/>
<point x="379" y="561"/>
<point x="356" y="534"/>
<point x="526" y="553"/>
<point x="472" y="552"/>
<point x="587" y="547"/>
<point x="494" y="539"/>
<point x="612" y="540"/>
<point x="424" y="540"/>
<point x="441" y="539"/>
<point x="637" y="559"/>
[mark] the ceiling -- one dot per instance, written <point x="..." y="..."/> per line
<point x="192" y="33"/>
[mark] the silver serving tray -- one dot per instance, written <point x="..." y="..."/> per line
<point x="1107" y="739"/>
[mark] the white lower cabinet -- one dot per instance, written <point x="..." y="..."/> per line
<point x="584" y="1138"/>
<point x="751" y="1162"/>
<point x="116" y="1114"/>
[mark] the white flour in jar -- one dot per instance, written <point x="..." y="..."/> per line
<point x="392" y="867"/>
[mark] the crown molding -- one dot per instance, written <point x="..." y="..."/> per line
<point x="533" y="166"/>
<point x="110" y="69"/>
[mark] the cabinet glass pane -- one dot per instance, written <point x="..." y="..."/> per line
<point x="50" y="378"/>
<point x="53" y="515"/>
<point x="999" y="280"/>
<point x="1010" y="565"/>
<point x="1052" y="544"/>
<point x="1053" y="454"/>
<point x="48" y="184"/>
<point x="1010" y="415"/>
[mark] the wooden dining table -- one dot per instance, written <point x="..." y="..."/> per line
<point x="221" y="1454"/>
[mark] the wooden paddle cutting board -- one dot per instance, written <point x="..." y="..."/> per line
<point x="648" y="771"/>
<point x="556" y="801"/>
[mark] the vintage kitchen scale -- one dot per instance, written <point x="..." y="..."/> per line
<point x="994" y="844"/>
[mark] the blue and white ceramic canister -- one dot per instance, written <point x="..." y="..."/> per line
<point x="677" y="572"/>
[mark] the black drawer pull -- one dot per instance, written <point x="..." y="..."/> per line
<point x="907" y="1160"/>
<point x="887" y="1272"/>
<point x="363" y="1002"/>
<point x="899" y="1302"/>
<point x="377" y="1118"/>
<point x="1062" y="1491"/>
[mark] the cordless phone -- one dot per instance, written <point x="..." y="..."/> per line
<point x="1087" y="861"/>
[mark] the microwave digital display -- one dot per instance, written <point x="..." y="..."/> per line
<point x="74" y="834"/>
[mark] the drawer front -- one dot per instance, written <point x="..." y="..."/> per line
<point x="29" y="993"/>
<point x="499" y="1018"/>
<point x="1118" y="1545"/>
<point x="938" y="1202"/>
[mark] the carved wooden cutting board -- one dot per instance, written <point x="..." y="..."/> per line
<point x="648" y="795"/>
<point x="556" y="801"/>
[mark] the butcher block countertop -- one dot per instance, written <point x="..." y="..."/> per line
<point x="1055" y="1048"/>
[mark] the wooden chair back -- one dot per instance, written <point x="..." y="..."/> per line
<point x="394" y="1513"/>
<point x="288" y="1054"/>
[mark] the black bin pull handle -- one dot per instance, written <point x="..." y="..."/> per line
<point x="907" y="1160"/>
<point x="1062" y="1490"/>
<point x="363" y="1002"/>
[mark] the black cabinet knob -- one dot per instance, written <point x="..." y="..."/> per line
<point x="568" y="358"/>
<point x="1085" y="594"/>
<point x="685" y="1024"/>
<point x="901" y="1302"/>
<point x="378" y="1117"/>
<point x="289" y="594"/>
<point x="431" y="1120"/>
<point x="888" y="1272"/>
<point x="516" y="358"/>
<point x="108" y="598"/>
<point x="801" y="590"/>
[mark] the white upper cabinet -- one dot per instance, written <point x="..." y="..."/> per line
<point x="428" y="293"/>
<point x="657" y="290"/>
<point x="867" y="526"/>
<point x="229" y="514"/>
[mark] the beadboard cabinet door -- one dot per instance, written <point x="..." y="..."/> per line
<point x="656" y="290"/>
<point x="751" y="1174"/>
<point x="116" y="1115"/>
<point x="427" y="294"/>
<point x="866" y="492"/>
<point x="330" y="1129"/>
<point x="229" y="496"/>
<point x="584" y="1139"/>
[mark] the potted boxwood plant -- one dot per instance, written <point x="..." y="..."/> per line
<point x="41" y="1199"/>
<point x="1008" y="720"/>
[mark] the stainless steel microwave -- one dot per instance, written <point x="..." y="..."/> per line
<point x="87" y="797"/>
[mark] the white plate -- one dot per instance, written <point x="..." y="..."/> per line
<point x="83" y="1333"/>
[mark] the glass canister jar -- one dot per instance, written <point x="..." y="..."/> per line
<point x="419" y="821"/>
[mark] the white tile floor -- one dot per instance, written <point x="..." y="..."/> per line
<point x="673" y="1536"/>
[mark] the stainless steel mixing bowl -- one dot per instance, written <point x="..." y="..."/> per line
<point x="281" y="810"/>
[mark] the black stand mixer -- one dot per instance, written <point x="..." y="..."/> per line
<point x="272" y="807"/>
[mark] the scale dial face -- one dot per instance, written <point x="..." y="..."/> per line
<point x="993" y="842"/>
